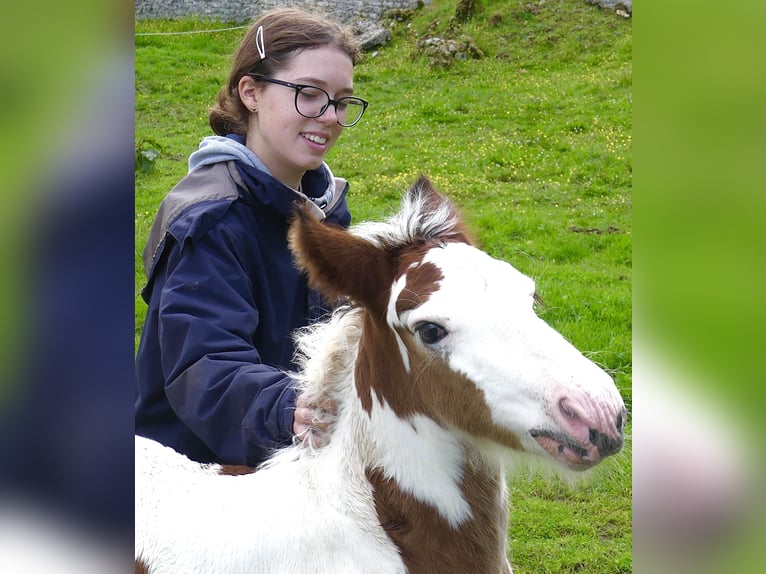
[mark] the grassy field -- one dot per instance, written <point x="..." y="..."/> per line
<point x="532" y="141"/>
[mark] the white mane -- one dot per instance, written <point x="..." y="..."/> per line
<point x="417" y="219"/>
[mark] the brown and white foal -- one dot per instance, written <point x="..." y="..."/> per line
<point x="440" y="370"/>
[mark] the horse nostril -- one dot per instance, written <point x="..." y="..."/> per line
<point x="604" y="444"/>
<point x="618" y="422"/>
<point x="567" y="411"/>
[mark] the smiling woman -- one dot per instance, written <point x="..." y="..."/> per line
<point x="223" y="294"/>
<point x="293" y="134"/>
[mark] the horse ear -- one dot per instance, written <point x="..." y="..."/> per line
<point x="338" y="263"/>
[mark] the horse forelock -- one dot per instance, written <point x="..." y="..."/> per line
<point x="423" y="218"/>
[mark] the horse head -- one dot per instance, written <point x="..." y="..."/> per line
<point x="451" y="334"/>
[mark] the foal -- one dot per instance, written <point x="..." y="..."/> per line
<point x="439" y="370"/>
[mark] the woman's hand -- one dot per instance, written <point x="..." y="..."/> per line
<point x="312" y="423"/>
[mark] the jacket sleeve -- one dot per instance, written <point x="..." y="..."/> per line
<point x="216" y="381"/>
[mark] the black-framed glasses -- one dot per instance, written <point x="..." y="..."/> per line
<point x="312" y="102"/>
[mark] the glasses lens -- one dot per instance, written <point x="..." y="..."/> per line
<point x="350" y="111"/>
<point x="311" y="102"/>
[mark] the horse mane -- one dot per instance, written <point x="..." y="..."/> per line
<point x="326" y="353"/>
<point x="423" y="217"/>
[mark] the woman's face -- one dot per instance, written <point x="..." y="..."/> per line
<point x="288" y="143"/>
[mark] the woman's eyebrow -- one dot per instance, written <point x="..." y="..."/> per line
<point x="321" y="84"/>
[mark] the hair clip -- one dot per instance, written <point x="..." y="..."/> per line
<point x="259" y="42"/>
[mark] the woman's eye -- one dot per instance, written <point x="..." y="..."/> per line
<point x="310" y="94"/>
<point x="430" y="333"/>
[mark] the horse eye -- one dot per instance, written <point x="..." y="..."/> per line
<point x="430" y="333"/>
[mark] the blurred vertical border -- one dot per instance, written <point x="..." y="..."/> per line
<point x="66" y="293"/>
<point x="700" y="282"/>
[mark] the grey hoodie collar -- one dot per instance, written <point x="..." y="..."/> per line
<point x="217" y="149"/>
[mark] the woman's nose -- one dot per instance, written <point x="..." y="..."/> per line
<point x="329" y="116"/>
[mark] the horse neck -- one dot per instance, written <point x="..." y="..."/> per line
<point x="441" y="503"/>
<point x="437" y="497"/>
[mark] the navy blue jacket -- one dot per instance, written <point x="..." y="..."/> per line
<point x="223" y="298"/>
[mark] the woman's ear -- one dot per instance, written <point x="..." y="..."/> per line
<point x="248" y="92"/>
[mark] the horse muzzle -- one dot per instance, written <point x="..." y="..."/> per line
<point x="589" y="429"/>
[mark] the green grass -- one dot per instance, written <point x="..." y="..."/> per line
<point x="533" y="142"/>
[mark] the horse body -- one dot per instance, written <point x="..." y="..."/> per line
<point x="290" y="517"/>
<point x="440" y="372"/>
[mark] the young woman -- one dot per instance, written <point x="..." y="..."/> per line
<point x="223" y="295"/>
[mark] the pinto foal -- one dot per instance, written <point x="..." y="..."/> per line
<point x="439" y="371"/>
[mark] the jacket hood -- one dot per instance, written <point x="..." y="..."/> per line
<point x="318" y="185"/>
<point x="217" y="149"/>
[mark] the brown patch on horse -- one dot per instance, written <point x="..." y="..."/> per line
<point x="379" y="365"/>
<point x="379" y="368"/>
<point x="235" y="469"/>
<point x="141" y="567"/>
<point x="426" y="541"/>
<point x="340" y="264"/>
<point x="447" y="396"/>
<point x="422" y="282"/>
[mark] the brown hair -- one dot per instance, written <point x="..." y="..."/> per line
<point x="286" y="32"/>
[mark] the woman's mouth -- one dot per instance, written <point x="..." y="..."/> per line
<point x="314" y="138"/>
